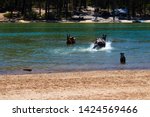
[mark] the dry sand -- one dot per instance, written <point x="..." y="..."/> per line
<point x="92" y="85"/>
<point x="2" y="18"/>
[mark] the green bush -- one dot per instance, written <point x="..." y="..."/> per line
<point x="31" y="15"/>
<point x="50" y="16"/>
<point x="8" y="15"/>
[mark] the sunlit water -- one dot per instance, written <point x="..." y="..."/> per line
<point x="42" y="47"/>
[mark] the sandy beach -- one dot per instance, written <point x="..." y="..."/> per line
<point x="87" y="85"/>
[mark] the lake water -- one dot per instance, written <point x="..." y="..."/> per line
<point x="42" y="47"/>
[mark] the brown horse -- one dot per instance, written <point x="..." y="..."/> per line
<point x="70" y="40"/>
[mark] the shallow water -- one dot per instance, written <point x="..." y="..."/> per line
<point x="42" y="47"/>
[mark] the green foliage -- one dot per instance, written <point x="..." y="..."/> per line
<point x="50" y="16"/>
<point x="8" y="15"/>
<point x="31" y="15"/>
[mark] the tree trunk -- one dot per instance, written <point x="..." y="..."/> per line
<point x="40" y="7"/>
<point x="46" y="9"/>
<point x="66" y="8"/>
<point x="23" y="8"/>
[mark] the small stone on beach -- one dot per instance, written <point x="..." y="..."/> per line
<point x="27" y="69"/>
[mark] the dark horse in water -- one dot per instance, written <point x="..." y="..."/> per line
<point x="70" y="40"/>
<point x="100" y="42"/>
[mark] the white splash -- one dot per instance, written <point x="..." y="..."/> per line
<point x="72" y="50"/>
<point x="107" y="48"/>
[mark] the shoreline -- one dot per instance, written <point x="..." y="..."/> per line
<point x="102" y="20"/>
<point x="39" y="71"/>
<point x="82" y="85"/>
<point x="80" y="22"/>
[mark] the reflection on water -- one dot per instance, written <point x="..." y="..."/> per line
<point x="42" y="47"/>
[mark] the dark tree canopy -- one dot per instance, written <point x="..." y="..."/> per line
<point x="58" y="9"/>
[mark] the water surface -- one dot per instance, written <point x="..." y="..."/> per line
<point x="42" y="47"/>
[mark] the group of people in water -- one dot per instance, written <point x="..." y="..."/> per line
<point x="99" y="43"/>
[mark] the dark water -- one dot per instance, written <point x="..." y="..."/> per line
<point x="41" y="46"/>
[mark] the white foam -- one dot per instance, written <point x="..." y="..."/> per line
<point x="65" y="51"/>
<point x="107" y="48"/>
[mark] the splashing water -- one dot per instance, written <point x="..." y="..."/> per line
<point x="107" y="48"/>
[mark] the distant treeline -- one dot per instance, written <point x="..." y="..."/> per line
<point x="58" y="9"/>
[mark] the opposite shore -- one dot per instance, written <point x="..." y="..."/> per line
<point x="101" y="20"/>
<point x="71" y="21"/>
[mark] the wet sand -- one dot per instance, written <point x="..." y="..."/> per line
<point x="89" y="85"/>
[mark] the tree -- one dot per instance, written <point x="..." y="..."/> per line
<point x="62" y="8"/>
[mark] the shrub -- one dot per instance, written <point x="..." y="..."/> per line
<point x="31" y="15"/>
<point x="8" y="15"/>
